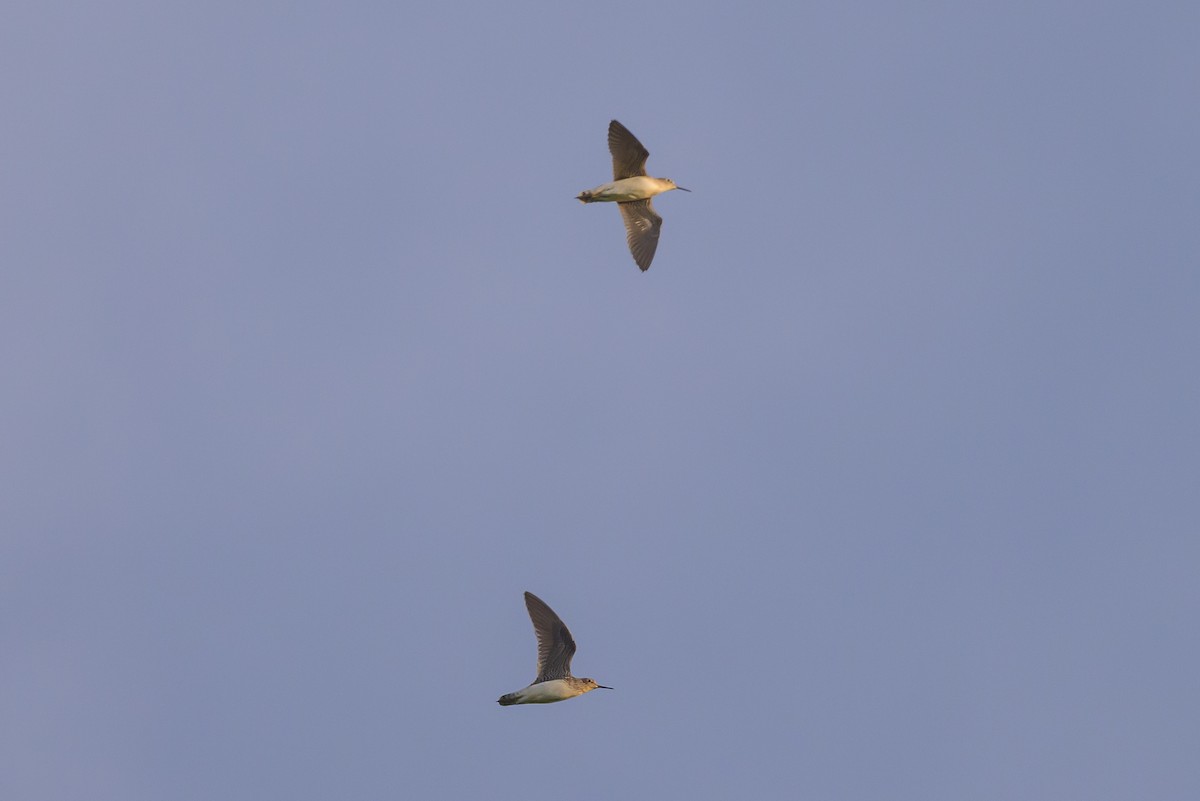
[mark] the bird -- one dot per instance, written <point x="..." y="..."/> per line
<point x="632" y="189"/>
<point x="554" y="681"/>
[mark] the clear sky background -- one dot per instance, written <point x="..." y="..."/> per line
<point x="882" y="483"/>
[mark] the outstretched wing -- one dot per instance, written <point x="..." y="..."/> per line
<point x="629" y="157"/>
<point x="642" y="225"/>
<point x="555" y="644"/>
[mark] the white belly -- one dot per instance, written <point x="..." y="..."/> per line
<point x="546" y="692"/>
<point x="637" y="188"/>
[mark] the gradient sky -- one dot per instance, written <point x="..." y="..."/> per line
<point x="882" y="483"/>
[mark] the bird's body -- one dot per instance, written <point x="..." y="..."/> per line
<point x="547" y="692"/>
<point x="632" y="189"/>
<point x="554" y="681"/>
<point x="641" y="187"/>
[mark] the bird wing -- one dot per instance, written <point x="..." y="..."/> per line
<point x="642" y="225"/>
<point x="629" y="157"/>
<point x="555" y="645"/>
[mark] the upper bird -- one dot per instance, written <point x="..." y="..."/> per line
<point x="632" y="189"/>
<point x="554" y="681"/>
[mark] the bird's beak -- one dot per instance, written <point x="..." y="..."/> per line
<point x="602" y="687"/>
<point x="685" y="190"/>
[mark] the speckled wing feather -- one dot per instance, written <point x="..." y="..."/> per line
<point x="555" y="644"/>
<point x="629" y="157"/>
<point x="642" y="225"/>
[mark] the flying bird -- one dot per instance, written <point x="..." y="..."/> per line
<point x="632" y="189"/>
<point x="554" y="681"/>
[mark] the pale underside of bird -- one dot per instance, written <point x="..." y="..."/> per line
<point x="554" y="681"/>
<point x="632" y="189"/>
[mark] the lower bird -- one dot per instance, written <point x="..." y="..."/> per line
<point x="554" y="681"/>
<point x="632" y="189"/>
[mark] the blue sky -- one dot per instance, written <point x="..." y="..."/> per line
<point x="881" y="483"/>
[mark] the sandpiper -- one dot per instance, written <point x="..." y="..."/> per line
<point x="632" y="189"/>
<point x="554" y="681"/>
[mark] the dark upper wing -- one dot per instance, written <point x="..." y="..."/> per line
<point x="629" y="157"/>
<point x="642" y="225"/>
<point x="555" y="645"/>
